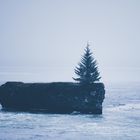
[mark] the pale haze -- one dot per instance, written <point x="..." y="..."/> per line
<point x="43" y="40"/>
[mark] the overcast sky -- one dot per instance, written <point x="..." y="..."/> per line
<point x="43" y="40"/>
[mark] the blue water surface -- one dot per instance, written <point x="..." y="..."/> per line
<point x="120" y="120"/>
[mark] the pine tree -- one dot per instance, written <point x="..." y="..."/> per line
<point x="87" y="69"/>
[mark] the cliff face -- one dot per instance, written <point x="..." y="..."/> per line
<point x="52" y="97"/>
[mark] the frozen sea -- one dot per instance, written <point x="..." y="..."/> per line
<point x="120" y="120"/>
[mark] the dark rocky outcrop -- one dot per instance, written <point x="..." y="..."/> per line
<point x="52" y="97"/>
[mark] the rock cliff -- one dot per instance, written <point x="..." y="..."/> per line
<point x="59" y="97"/>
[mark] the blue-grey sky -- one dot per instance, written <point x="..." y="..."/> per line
<point x="43" y="40"/>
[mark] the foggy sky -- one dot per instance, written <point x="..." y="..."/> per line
<point x="43" y="40"/>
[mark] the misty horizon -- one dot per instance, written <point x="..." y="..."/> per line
<point x="42" y="41"/>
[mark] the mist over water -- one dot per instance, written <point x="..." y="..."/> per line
<point x="120" y="120"/>
<point x="43" y="40"/>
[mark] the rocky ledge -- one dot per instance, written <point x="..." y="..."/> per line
<point x="52" y="97"/>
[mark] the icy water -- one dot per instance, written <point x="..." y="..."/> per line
<point x="120" y="120"/>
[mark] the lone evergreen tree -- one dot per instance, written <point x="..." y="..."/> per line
<point x="87" y="69"/>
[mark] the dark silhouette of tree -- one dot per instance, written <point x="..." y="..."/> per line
<point x="87" y="69"/>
